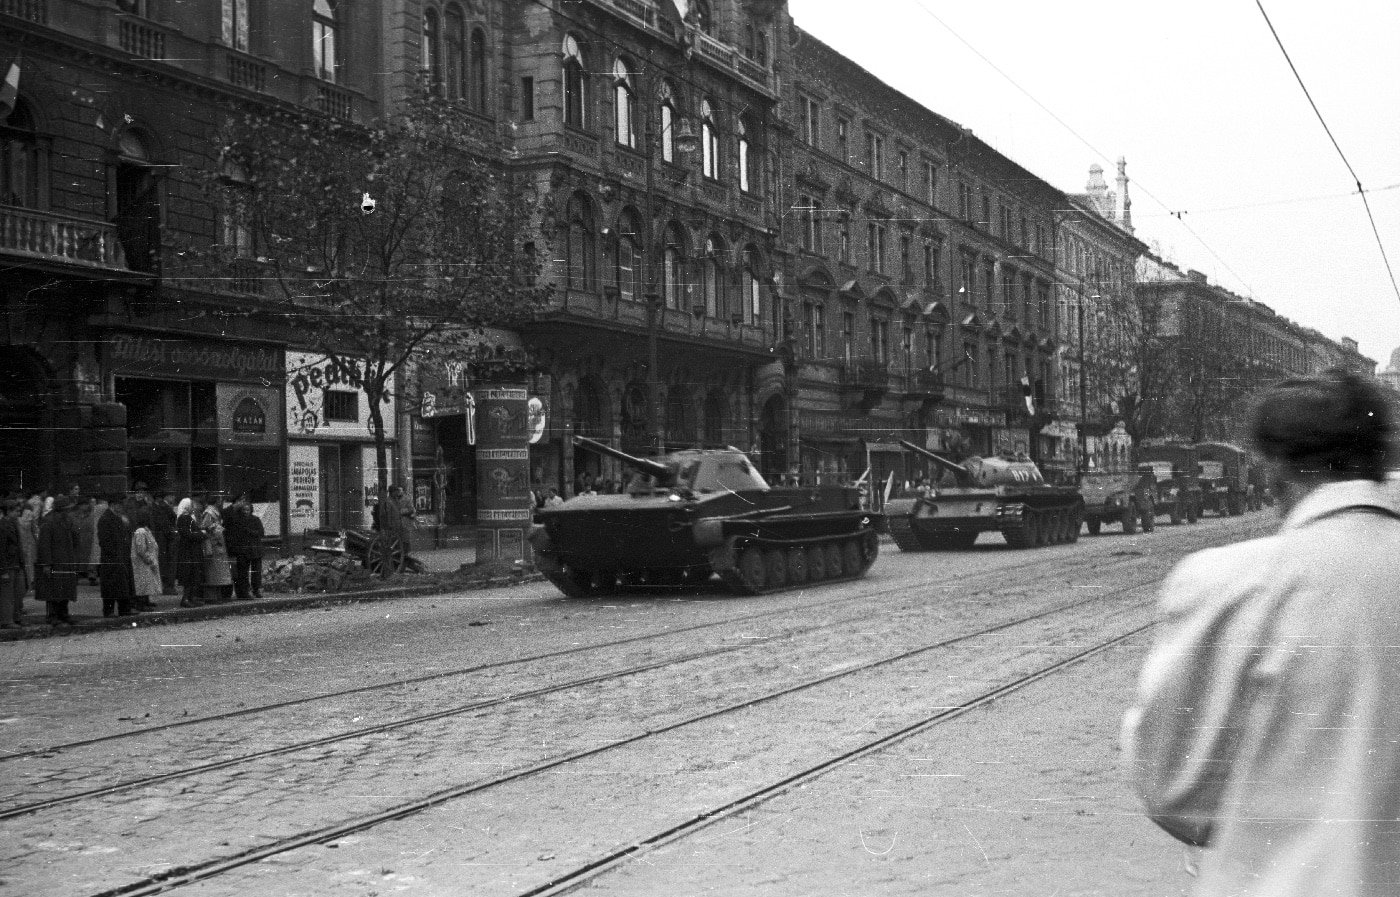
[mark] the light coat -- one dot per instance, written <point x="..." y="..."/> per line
<point x="216" y="566"/>
<point x="1268" y="716"/>
<point x="145" y="562"/>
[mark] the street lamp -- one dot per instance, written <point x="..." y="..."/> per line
<point x="686" y="143"/>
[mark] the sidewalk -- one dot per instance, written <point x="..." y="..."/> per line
<point x="86" y="612"/>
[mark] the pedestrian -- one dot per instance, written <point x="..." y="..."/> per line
<point x="83" y="519"/>
<point x="12" y="582"/>
<point x="29" y="537"/>
<point x="145" y="560"/>
<point x="1267" y="723"/>
<point x="218" y="576"/>
<point x="114" y="560"/>
<point x="163" y="530"/>
<point x="191" y="551"/>
<point x="56" y="562"/>
<point x="243" y="532"/>
<point x="406" y="516"/>
<point x="554" y="497"/>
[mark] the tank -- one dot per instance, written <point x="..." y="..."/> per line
<point x="984" y="495"/>
<point x="695" y="514"/>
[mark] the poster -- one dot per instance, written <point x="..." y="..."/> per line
<point x="310" y="377"/>
<point x="304" y="488"/>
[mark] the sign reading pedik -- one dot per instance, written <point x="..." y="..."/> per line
<point x="326" y="398"/>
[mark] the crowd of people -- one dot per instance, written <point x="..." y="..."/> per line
<point x="135" y="547"/>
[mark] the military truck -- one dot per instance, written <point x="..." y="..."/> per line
<point x="984" y="495"/>
<point x="1128" y="499"/>
<point x="1173" y="467"/>
<point x="1225" y="478"/>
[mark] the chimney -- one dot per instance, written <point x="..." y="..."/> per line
<point x="1123" y="214"/>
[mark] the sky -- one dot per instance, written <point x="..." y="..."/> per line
<point x="1199" y="99"/>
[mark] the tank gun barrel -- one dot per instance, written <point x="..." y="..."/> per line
<point x="654" y="469"/>
<point x="956" y="469"/>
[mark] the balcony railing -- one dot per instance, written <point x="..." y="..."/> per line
<point x="924" y="383"/>
<point x="866" y="374"/>
<point x="29" y="10"/>
<point x="141" y="38"/>
<point x="333" y="101"/>
<point x="58" y="238"/>
<point x="246" y="72"/>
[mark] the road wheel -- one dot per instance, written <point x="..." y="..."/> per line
<point x="752" y="567"/>
<point x="797" y="566"/>
<point x="1129" y="518"/>
<point x="1075" y="520"/>
<point x="1095" y="525"/>
<point x="1149" y="518"/>
<point x="775" y="568"/>
<point x="1176" y="513"/>
<point x="1193" y="511"/>
<point x="816" y="563"/>
<point x="1031" y="525"/>
<point x="852" y="559"/>
<point x="835" y="567"/>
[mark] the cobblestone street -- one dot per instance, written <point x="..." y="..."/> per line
<point x="845" y="739"/>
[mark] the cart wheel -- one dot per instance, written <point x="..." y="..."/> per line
<point x="385" y="552"/>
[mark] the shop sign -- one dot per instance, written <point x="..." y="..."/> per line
<point x="310" y="377"/>
<point x="249" y="415"/>
<point x="304" y="487"/>
<point x="134" y="355"/>
<point x="829" y="423"/>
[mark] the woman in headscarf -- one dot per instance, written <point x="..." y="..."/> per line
<point x="218" y="577"/>
<point x="191" y="551"/>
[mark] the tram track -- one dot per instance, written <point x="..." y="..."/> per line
<point x="202" y="871"/>
<point x="944" y="586"/>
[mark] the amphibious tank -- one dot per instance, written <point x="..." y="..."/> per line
<point x="697" y="513"/>
<point x="984" y="495"/>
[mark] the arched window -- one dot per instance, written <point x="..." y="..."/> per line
<point x="709" y="141"/>
<point x="624" y="105"/>
<point x="761" y="47"/>
<point x="751" y="280"/>
<point x="712" y="278"/>
<point x="324" y="25"/>
<point x="750" y="42"/>
<point x="456" y="44"/>
<point x="137" y="203"/>
<point x="575" y="85"/>
<point x="432" y="50"/>
<point x="748" y="166"/>
<point x="673" y="268"/>
<point x="581" y="244"/>
<point x="666" y="114"/>
<point x="476" y="92"/>
<point x="628" y="273"/>
<point x="23" y="161"/>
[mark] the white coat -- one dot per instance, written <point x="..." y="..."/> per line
<point x="145" y="562"/>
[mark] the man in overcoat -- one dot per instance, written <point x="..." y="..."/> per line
<point x="114" y="571"/>
<point x="163" y="528"/>
<point x="56" y="561"/>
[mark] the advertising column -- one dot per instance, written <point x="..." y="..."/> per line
<point x="504" y="505"/>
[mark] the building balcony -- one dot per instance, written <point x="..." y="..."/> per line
<point x="924" y="384"/>
<point x="60" y="240"/>
<point x="866" y="380"/>
<point x="36" y="11"/>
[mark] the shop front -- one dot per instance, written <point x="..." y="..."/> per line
<point x="203" y="416"/>
<point x="332" y="472"/>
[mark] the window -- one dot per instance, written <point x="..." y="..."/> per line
<point x="906" y="345"/>
<point x="575" y="85"/>
<point x="627" y="275"/>
<point x="753" y="297"/>
<point x="972" y="367"/>
<point x="1042" y="299"/>
<point x="875" y="246"/>
<point x="811" y="121"/>
<point x="964" y="201"/>
<point x="454" y="41"/>
<point x="880" y="340"/>
<point x="748" y="177"/>
<point x="476" y="90"/>
<point x="1006" y="222"/>
<point x="903" y="172"/>
<point x="137" y="203"/>
<point x="432" y="54"/>
<point x="810" y="223"/>
<point x="848" y="336"/>
<point x="874" y="156"/>
<point x="581" y="244"/>
<point x="527" y="98"/>
<point x="235" y="223"/>
<point x="843" y="140"/>
<point x="673" y="268"/>
<point x="1025" y="239"/>
<point x="235" y="24"/>
<point x="967" y="280"/>
<point x="23" y="161"/>
<point x="988" y="284"/>
<point x="844" y="227"/>
<point x="906" y="265"/>
<point x="666" y="98"/>
<point x="986" y="220"/>
<point x="324" y="26"/>
<point x="931" y="272"/>
<point x="712" y="278"/>
<point x="815" y="314"/>
<point x="931" y="182"/>
<point x="704" y="19"/>
<point x="760" y="46"/>
<point x="342" y="405"/>
<point x="1008" y="293"/>
<point x="624" y="105"/>
<point x="709" y="141"/>
<point x="933" y="349"/>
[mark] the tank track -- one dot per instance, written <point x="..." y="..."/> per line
<point x="1045" y="526"/>
<point x="903" y="534"/>
<point x="733" y="561"/>
<point x="908" y="539"/>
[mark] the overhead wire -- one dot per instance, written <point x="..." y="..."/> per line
<point x="1337" y="146"/>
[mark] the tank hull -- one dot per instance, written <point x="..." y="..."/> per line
<point x="951" y="519"/>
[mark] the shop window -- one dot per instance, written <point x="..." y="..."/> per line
<point x="342" y="405"/>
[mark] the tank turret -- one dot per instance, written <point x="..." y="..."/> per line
<point x="698" y="513"/>
<point x="978" y="471"/>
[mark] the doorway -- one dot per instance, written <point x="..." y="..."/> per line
<point x="342" y="487"/>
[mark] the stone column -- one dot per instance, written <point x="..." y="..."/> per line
<point x="504" y="507"/>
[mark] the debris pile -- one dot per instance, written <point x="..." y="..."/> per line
<point x="316" y="573"/>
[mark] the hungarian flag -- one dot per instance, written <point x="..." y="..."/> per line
<point x="9" y="91"/>
<point x="1026" y="394"/>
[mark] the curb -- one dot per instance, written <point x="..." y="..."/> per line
<point x="264" y="606"/>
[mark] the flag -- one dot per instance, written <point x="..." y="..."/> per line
<point x="1026" y="394"/>
<point x="9" y="91"/>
